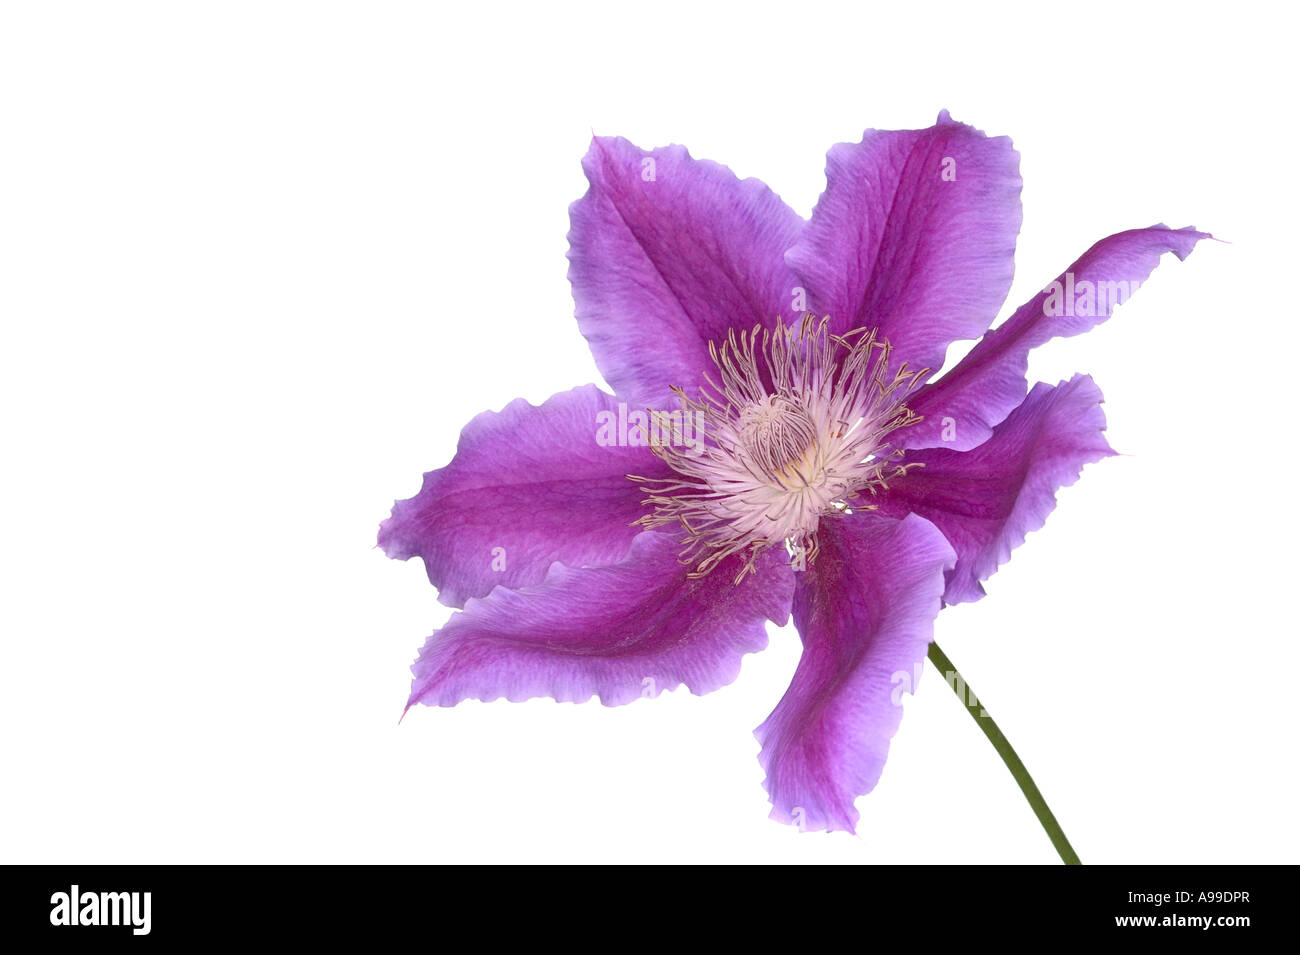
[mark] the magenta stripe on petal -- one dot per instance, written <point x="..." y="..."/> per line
<point x="529" y="485"/>
<point x="865" y="611"/>
<point x="620" y="632"/>
<point x="667" y="254"/>
<point x="961" y="408"/>
<point x="915" y="236"/>
<point x="986" y="500"/>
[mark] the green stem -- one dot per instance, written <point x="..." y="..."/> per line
<point x="1018" y="771"/>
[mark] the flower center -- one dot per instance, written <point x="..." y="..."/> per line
<point x="780" y="437"/>
<point x="793" y="431"/>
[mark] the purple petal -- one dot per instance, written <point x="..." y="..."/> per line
<point x="667" y="254"/>
<point x="529" y="485"/>
<point x="986" y="500"/>
<point x="619" y="632"/>
<point x="865" y="611"/>
<point x="961" y="408"/>
<point x="914" y="235"/>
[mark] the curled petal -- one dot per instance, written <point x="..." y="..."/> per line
<point x="865" y="611"/>
<point x="961" y="408"/>
<point x="619" y="632"/>
<point x="915" y="235"/>
<point x="986" y="500"/>
<point x="529" y="485"/>
<point x="667" y="254"/>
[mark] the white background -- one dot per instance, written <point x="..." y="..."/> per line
<point x="260" y="262"/>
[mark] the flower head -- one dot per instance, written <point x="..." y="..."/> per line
<point x="774" y="403"/>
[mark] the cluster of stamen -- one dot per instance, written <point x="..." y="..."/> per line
<point x="794" y="430"/>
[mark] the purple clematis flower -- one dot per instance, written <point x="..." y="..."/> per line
<point x="776" y="443"/>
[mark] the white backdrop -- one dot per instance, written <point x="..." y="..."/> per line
<point x="260" y="262"/>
